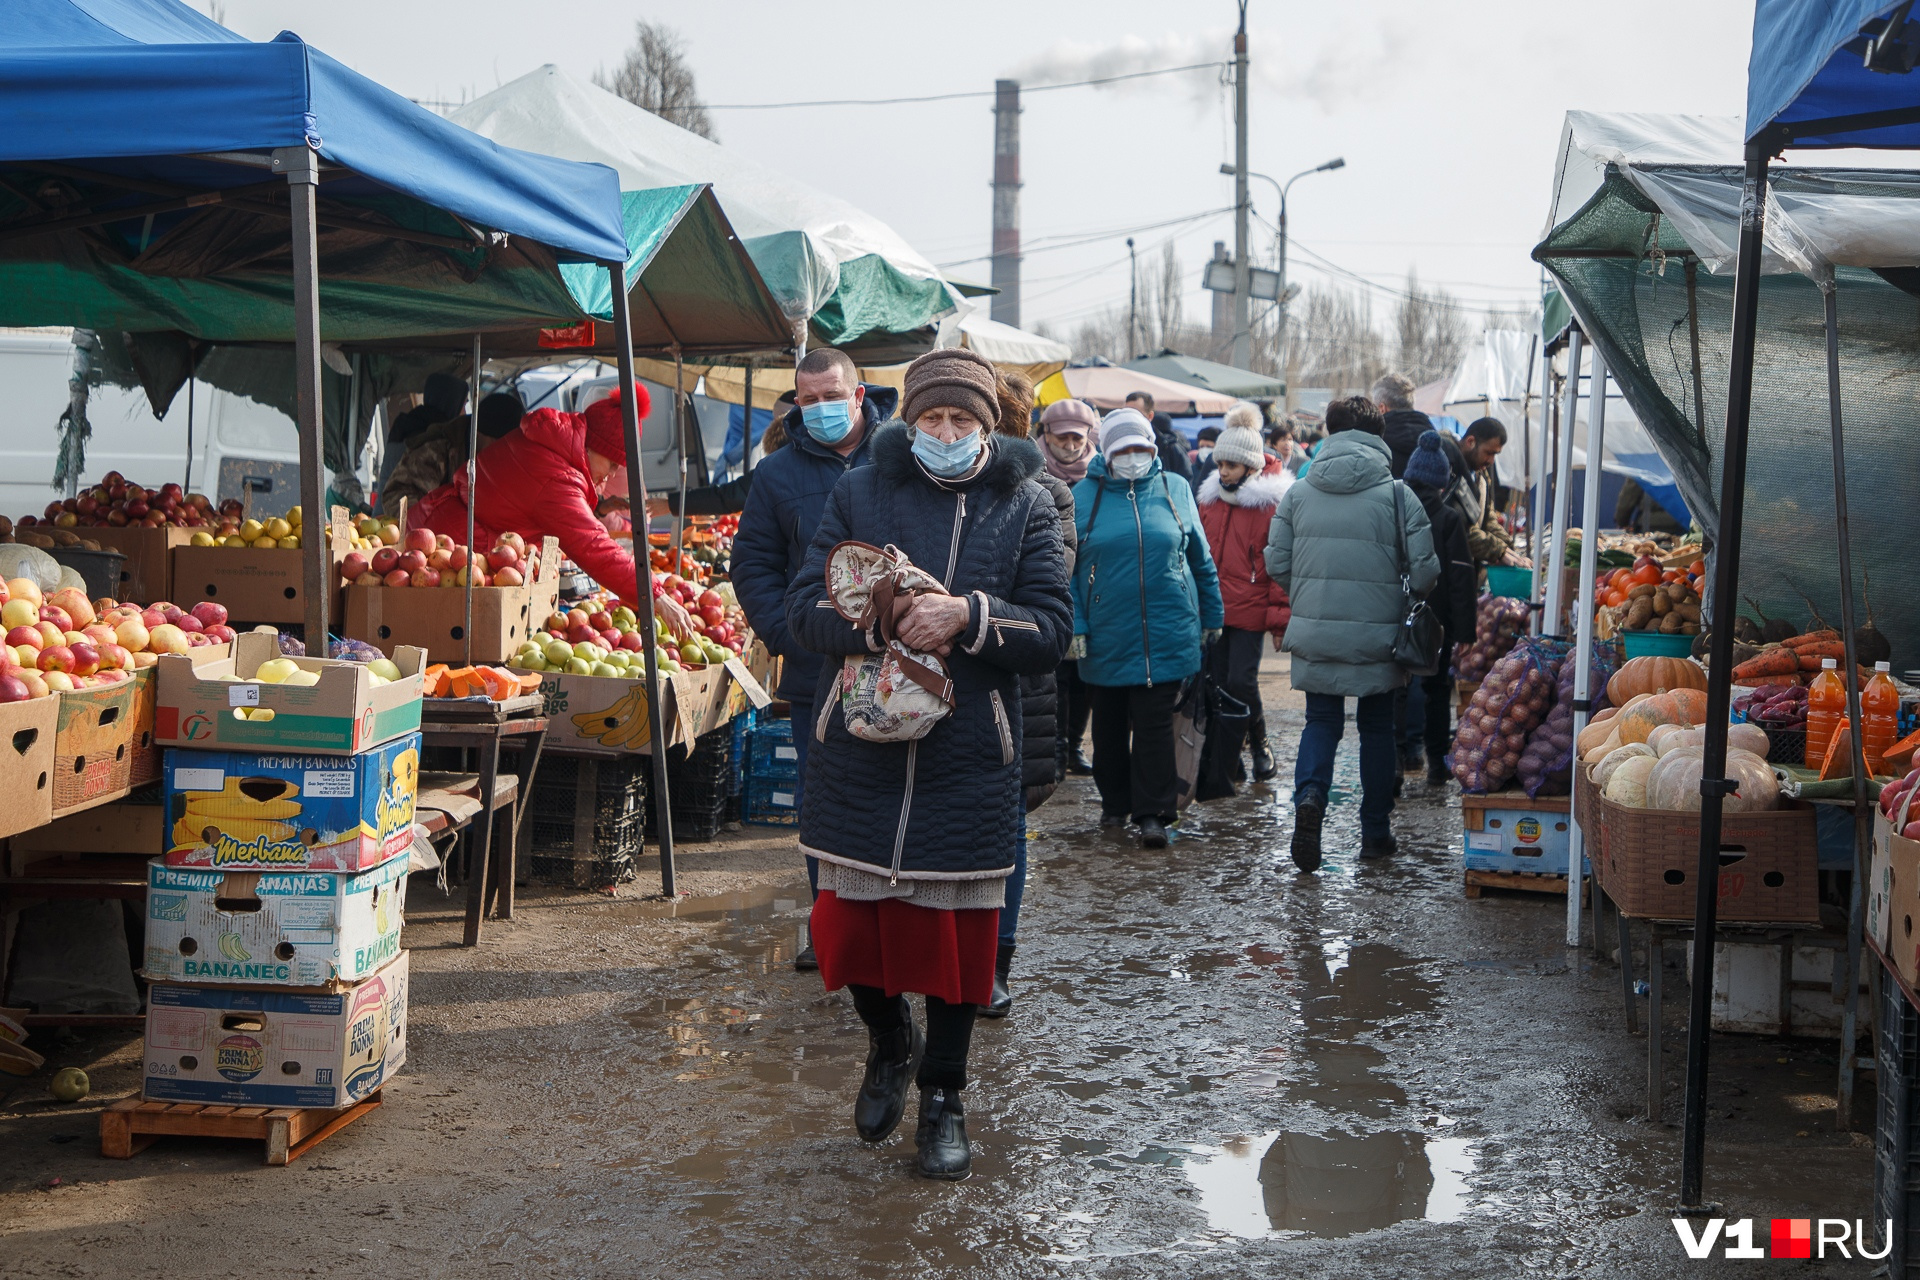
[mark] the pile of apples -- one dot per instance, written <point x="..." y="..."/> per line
<point x="609" y="642"/>
<point x="714" y="610"/>
<point x="65" y="641"/>
<point x="385" y="557"/>
<point x="118" y="502"/>
<point x="260" y="535"/>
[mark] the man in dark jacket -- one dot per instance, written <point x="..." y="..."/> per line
<point x="1167" y="442"/>
<point x="1426" y="718"/>
<point x="827" y="436"/>
<point x="1404" y="424"/>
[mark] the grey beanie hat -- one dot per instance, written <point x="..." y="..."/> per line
<point x="1241" y="445"/>
<point x="1125" y="429"/>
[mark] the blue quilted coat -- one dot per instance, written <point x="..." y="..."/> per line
<point x="949" y="805"/>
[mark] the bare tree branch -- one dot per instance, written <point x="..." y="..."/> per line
<point x="655" y="77"/>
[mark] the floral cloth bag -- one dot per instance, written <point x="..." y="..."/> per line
<point x="897" y="694"/>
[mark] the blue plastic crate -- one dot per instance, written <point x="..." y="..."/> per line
<point x="771" y="802"/>
<point x="743" y="725"/>
<point x="771" y="753"/>
<point x="1525" y="837"/>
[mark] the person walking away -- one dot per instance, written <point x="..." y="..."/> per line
<point x="1068" y="435"/>
<point x="915" y="840"/>
<point x="545" y="478"/>
<point x="1041" y="769"/>
<point x="828" y="434"/>
<point x="1200" y="458"/>
<point x="1167" y="441"/>
<point x="1402" y="425"/>
<point x="1473" y="495"/>
<point x="1335" y="548"/>
<point x="1430" y="475"/>
<point x="434" y="455"/>
<point x="1236" y="509"/>
<point x="1146" y="603"/>
<point x="444" y="396"/>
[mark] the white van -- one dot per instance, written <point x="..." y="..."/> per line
<point x="241" y="448"/>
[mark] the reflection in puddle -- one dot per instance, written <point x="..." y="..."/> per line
<point x="1332" y="1184"/>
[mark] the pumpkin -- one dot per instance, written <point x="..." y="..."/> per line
<point x="1675" y="782"/>
<point x="1692" y="703"/>
<point x="1599" y="753"/>
<point x="1643" y="717"/>
<point x="1654" y="675"/>
<point x="1662" y="738"/>
<point x="1628" y="785"/>
<point x="1596" y="731"/>
<point x="1748" y="737"/>
<point x="1604" y="771"/>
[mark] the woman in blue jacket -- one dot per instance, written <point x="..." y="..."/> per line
<point x="1146" y="602"/>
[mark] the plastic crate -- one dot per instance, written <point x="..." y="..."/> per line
<point x="699" y="787"/>
<point x="584" y="854"/>
<point x="742" y="727"/>
<point x="771" y="802"/>
<point x="610" y="789"/>
<point x="1896" y="1147"/>
<point x="771" y="753"/>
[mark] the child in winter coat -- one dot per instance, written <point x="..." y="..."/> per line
<point x="1236" y="508"/>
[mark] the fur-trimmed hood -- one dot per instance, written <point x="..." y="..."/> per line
<point x="1014" y="461"/>
<point x="1263" y="490"/>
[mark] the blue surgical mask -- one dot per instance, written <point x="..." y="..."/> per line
<point x="943" y="459"/>
<point x="1132" y="466"/>
<point x="829" y="421"/>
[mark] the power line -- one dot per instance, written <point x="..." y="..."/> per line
<point x="950" y="97"/>
<point x="1041" y="246"/>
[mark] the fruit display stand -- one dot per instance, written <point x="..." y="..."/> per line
<point x="436" y="619"/>
<point x="147" y="571"/>
<point x="258" y="579"/>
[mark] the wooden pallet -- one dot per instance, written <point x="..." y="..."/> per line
<point x="1525" y="881"/>
<point x="131" y="1125"/>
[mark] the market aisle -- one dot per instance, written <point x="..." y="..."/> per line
<point x="1215" y="1067"/>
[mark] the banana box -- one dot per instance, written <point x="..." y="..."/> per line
<point x="256" y="1048"/>
<point x="214" y="704"/>
<point x="279" y="928"/>
<point x="244" y="811"/>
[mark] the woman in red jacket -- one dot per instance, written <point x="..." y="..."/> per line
<point x="544" y="477"/>
<point x="1236" y="508"/>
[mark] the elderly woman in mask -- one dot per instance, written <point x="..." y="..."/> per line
<point x="1069" y="432"/>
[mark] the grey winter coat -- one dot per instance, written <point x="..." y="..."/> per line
<point x="1333" y="546"/>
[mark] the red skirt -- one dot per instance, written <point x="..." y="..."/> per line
<point x="897" y="946"/>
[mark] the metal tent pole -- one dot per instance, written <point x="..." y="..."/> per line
<point x="746" y="438"/>
<point x="473" y="455"/>
<point x="1862" y="811"/>
<point x="1536" y="472"/>
<point x="643" y="573"/>
<point x="302" y="169"/>
<point x="680" y="446"/>
<point x="1726" y="592"/>
<point x="1583" y="644"/>
<point x="1563" y="491"/>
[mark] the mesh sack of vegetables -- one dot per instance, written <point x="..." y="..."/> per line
<point x="1499" y="621"/>
<point x="1510" y="703"/>
<point x="1546" y="766"/>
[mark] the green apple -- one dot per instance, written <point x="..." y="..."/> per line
<point x="579" y="667"/>
<point x="604" y="670"/>
<point x="559" y="654"/>
<point x="276" y="670"/>
<point x="589" y="650"/>
<point x="691" y="652"/>
<point x="384" y="668"/>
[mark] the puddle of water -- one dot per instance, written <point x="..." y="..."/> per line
<point x="1330" y="1185"/>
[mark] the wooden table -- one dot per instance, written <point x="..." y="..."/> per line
<point x="482" y="725"/>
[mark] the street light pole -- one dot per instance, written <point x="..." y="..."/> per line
<point x="1133" y="300"/>
<point x="1338" y="162"/>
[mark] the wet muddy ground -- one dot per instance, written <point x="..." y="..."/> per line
<point x="1215" y="1067"/>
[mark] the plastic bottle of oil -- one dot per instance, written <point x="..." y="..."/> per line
<point x="1880" y="712"/>
<point x="1826" y="707"/>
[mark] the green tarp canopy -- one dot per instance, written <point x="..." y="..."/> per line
<point x="1210" y="374"/>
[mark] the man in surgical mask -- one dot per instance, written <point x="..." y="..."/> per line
<point x="827" y="436"/>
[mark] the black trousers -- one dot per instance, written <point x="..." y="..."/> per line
<point x="1430" y="724"/>
<point x="949" y="1032"/>
<point x="1133" y="750"/>
<point x="1234" y="664"/>
<point x="1074" y="708"/>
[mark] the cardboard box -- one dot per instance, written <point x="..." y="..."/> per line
<point x="257" y="585"/>
<point x="123" y="828"/>
<point x="93" y="744"/>
<point x="27" y="733"/>
<point x="279" y="928"/>
<point x="343" y="714"/>
<point x="1507" y="831"/>
<point x="602" y="715"/>
<point x="146" y="576"/>
<point x="1880" y="883"/>
<point x="249" y="811"/>
<point x="268" y="1048"/>
<point x="1903" y="907"/>
<point x="435" y="619"/>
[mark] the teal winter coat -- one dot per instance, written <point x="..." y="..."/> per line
<point x="1334" y="547"/>
<point x="1144" y="586"/>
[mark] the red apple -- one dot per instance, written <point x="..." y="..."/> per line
<point x="501" y="557"/>
<point x="197" y="640"/>
<point x="610" y="638"/>
<point x="28" y="636"/>
<point x="712" y="599"/>
<point x="57" y="616"/>
<point x="443" y="543"/>
<point x="427" y="577"/>
<point x="189" y="624"/>
<point x="440" y="558"/>
<point x="712" y="614"/>
<point x="457" y="558"/>
<point x="220" y="633"/>
<point x="210" y="614"/>
<point x="398" y="578"/>
<point x="353" y="565"/>
<point x="632" y="642"/>
<point x="58" y="657"/>
<point x="601" y="621"/>
<point x="508" y="577"/>
<point x="412" y="561"/>
<point x="86" y="659"/>
<point x="556" y="622"/>
<point x="114" y="657"/>
<point x="421" y="540"/>
<point x="13" y="689"/>
<point x="117" y="517"/>
<point x="384" y="561"/>
<point x="152" y="617"/>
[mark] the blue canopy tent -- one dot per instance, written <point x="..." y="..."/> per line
<point x="1834" y="74"/>
<point x="159" y="172"/>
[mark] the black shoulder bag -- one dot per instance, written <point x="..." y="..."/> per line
<point x="1416" y="646"/>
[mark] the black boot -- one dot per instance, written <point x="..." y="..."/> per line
<point x="1437" y="771"/>
<point x="942" y="1135"/>
<point x="1265" y="767"/>
<point x="893" y="1057"/>
<point x="1002" y="1002"/>
<point x="1153" y="833"/>
<point x="1307" y="816"/>
<point x="806" y="961"/>
<point x="1078" y="764"/>
<point x="1382" y="847"/>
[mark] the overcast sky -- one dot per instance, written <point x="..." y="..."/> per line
<point x="1447" y="113"/>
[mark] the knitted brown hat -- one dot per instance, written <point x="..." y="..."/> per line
<point x="955" y="378"/>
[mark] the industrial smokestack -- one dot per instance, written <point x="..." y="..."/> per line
<point x="1006" y="201"/>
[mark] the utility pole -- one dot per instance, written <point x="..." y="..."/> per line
<point x="1133" y="301"/>
<point x="1242" y="266"/>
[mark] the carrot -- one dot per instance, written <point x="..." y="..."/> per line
<point x="1770" y="662"/>
<point x="1761" y="682"/>
<point x="1811" y="638"/>
<point x="1811" y="656"/>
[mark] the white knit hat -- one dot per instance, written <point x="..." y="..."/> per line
<point x="1125" y="429"/>
<point x="1241" y="445"/>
